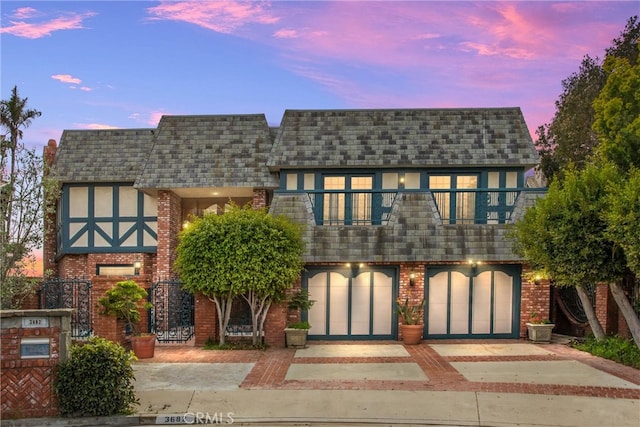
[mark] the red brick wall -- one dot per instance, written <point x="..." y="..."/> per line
<point x="534" y="298"/>
<point x="259" y="199"/>
<point x="169" y="225"/>
<point x="415" y="293"/>
<point x="109" y="327"/>
<point x="275" y="323"/>
<point x="26" y="385"/>
<point x="608" y="313"/>
<point x="206" y="320"/>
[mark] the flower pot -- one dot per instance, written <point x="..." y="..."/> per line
<point x="143" y="346"/>
<point x="411" y="334"/>
<point x="296" y="338"/>
<point x="540" y="332"/>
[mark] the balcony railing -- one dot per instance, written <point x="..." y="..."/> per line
<point x="373" y="207"/>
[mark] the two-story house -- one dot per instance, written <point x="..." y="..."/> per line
<point x="395" y="203"/>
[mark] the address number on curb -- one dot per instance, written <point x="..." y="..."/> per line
<point x="170" y="419"/>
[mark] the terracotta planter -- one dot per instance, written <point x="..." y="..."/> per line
<point x="144" y="346"/>
<point x="411" y="334"/>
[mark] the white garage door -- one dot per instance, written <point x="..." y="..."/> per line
<point x="351" y="305"/>
<point x="472" y="304"/>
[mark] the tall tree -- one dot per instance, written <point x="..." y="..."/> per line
<point x="569" y="139"/>
<point x="244" y="252"/>
<point x="617" y="114"/>
<point x="14" y="116"/>
<point x="22" y="206"/>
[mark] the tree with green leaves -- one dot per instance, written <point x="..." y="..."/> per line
<point x="569" y="139"/>
<point x="244" y="252"/>
<point x="14" y="115"/>
<point x="564" y="234"/>
<point x="617" y="114"/>
<point x="22" y="203"/>
<point x="623" y="218"/>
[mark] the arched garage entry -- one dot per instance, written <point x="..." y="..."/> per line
<point x="353" y="303"/>
<point x="467" y="302"/>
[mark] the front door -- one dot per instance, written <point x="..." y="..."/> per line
<point x="351" y="303"/>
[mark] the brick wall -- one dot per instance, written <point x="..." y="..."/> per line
<point x="260" y="199"/>
<point x="534" y="298"/>
<point x="27" y="385"/>
<point x="109" y="327"/>
<point x="169" y="225"/>
<point x="206" y="320"/>
<point x="415" y="293"/>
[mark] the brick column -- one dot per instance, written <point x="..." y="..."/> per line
<point x="49" y="243"/>
<point x="27" y="384"/>
<point x="533" y="297"/>
<point x="274" y="325"/>
<point x="259" y="198"/>
<point x="606" y="309"/>
<point x="206" y="320"/>
<point x="169" y="224"/>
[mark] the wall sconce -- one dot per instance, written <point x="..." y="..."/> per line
<point x="185" y="225"/>
<point x="355" y="267"/>
<point x="474" y="265"/>
<point x="137" y="265"/>
<point x="412" y="279"/>
<point x="537" y="280"/>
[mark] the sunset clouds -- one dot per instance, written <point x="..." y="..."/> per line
<point x="68" y="78"/>
<point x="29" y="23"/>
<point x="221" y="16"/>
<point x="125" y="63"/>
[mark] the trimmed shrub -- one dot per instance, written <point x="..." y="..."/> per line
<point x="97" y="380"/>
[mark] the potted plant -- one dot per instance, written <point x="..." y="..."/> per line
<point x="296" y="333"/>
<point x="538" y="329"/>
<point x="411" y="315"/>
<point x="124" y="301"/>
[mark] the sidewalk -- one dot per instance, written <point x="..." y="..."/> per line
<point x="455" y="384"/>
<point x="441" y="383"/>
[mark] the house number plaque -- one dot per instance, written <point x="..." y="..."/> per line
<point x="35" y="322"/>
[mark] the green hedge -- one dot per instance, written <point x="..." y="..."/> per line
<point x="97" y="380"/>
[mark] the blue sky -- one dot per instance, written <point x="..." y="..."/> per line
<point x="122" y="64"/>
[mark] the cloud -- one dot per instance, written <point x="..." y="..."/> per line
<point x="20" y="26"/>
<point x="220" y="16"/>
<point x="66" y="78"/>
<point x="24" y="13"/>
<point x="94" y="126"/>
<point x="286" y="33"/>
<point x="150" y="119"/>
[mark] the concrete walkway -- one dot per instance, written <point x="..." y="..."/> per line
<point x="452" y="384"/>
<point x="488" y="383"/>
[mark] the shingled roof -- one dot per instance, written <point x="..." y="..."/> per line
<point x="209" y="151"/>
<point x="403" y="138"/>
<point x="102" y="155"/>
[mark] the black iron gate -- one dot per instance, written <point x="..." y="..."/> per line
<point x="172" y="316"/>
<point x="69" y="293"/>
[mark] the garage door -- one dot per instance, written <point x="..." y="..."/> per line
<point x="468" y="303"/>
<point x="351" y="305"/>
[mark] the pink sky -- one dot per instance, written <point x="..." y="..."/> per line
<point x="123" y="64"/>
